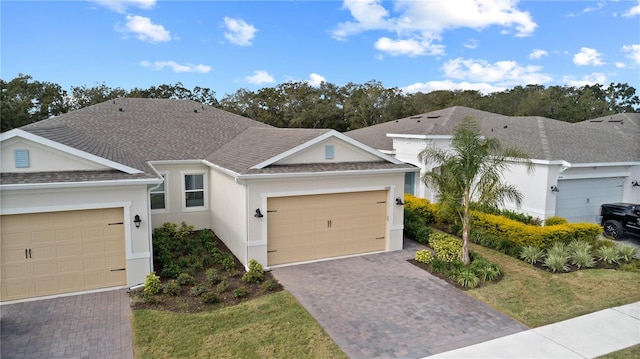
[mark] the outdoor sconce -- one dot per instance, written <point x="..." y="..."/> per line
<point x="399" y="201"/>
<point x="554" y="189"/>
<point x="137" y="221"/>
<point x="635" y="184"/>
<point x="258" y="213"/>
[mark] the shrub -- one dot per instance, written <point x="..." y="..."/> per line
<point x="422" y="235"/>
<point x="626" y="253"/>
<point x="531" y="254"/>
<point x="633" y="266"/>
<point x="255" y="266"/>
<point x="222" y="286"/>
<point x="467" y="278"/>
<point x="578" y="245"/>
<point x="209" y="298"/>
<point x="227" y="262"/>
<point x="253" y="277"/>
<point x="445" y="247"/>
<point x="555" y="220"/>
<point x="556" y="262"/>
<point x="240" y="292"/>
<point x="212" y="276"/>
<point x="152" y="284"/>
<point x="421" y="207"/>
<point x="608" y="255"/>
<point x="582" y="258"/>
<point x="171" y="287"/>
<point x="270" y="285"/>
<point x="197" y="290"/>
<point x="558" y="249"/>
<point x="424" y="256"/>
<point x="185" y="279"/>
<point x="438" y="265"/>
<point x="170" y="271"/>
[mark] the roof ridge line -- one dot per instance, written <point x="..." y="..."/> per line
<point x="543" y="138"/>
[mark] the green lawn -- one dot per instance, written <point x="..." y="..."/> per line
<point x="536" y="297"/>
<point x="271" y="326"/>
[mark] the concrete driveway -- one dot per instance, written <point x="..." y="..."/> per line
<point x="381" y="306"/>
<point x="96" y="325"/>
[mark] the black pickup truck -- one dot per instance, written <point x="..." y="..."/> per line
<point x="618" y="219"/>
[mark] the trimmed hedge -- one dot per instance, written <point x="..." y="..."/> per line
<point x="526" y="235"/>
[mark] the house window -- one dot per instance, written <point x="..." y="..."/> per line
<point x="194" y="190"/>
<point x="158" y="195"/>
<point x="21" y="158"/>
<point x="410" y="183"/>
<point x="328" y="152"/>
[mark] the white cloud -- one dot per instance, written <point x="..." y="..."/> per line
<point x="315" y="79"/>
<point x="592" y="79"/>
<point x="426" y="87"/>
<point x="633" y="11"/>
<point x="471" y="44"/>
<point x="633" y="52"/>
<point x="122" y="5"/>
<point x="537" y="54"/>
<point x="260" y="77"/>
<point x="176" y="67"/>
<point x="588" y="56"/>
<point x="423" y="22"/>
<point x="239" y="32"/>
<point x="501" y="72"/>
<point x="620" y="65"/>
<point x="410" y="47"/>
<point x="144" y="29"/>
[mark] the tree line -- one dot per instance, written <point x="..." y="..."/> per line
<point x="298" y="104"/>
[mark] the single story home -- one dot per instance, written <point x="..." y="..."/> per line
<point x="578" y="166"/>
<point x="82" y="192"/>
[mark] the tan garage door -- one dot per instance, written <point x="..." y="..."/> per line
<point x="61" y="252"/>
<point x="302" y="228"/>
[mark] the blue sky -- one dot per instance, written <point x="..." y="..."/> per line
<point x="485" y="45"/>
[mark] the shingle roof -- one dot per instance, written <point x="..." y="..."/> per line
<point x="135" y="132"/>
<point x="542" y="138"/>
<point x="620" y="123"/>
<point x="66" y="176"/>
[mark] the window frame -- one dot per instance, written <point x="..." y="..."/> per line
<point x="204" y="190"/>
<point x="165" y="176"/>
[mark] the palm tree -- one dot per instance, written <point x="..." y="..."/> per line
<point x="471" y="171"/>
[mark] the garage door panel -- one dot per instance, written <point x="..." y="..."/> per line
<point x="341" y="224"/>
<point x="70" y="251"/>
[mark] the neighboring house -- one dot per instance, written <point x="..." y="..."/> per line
<point x="577" y="166"/>
<point x="82" y="192"/>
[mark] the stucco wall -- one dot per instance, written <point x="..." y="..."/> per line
<point x="133" y="199"/>
<point x="260" y="190"/>
<point x="229" y="213"/>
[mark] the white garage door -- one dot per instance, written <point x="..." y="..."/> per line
<point x="61" y="252"/>
<point x="579" y="200"/>
<point x="302" y="228"/>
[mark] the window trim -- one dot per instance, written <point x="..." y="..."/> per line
<point x="165" y="176"/>
<point x="205" y="185"/>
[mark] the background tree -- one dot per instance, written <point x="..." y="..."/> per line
<point x="471" y="171"/>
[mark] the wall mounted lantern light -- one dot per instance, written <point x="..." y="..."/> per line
<point x="137" y="221"/>
<point x="258" y="213"/>
<point x="399" y="201"/>
<point x="554" y="189"/>
<point x="635" y="184"/>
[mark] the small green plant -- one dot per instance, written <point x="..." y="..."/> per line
<point x="236" y="273"/>
<point x="558" y="248"/>
<point x="253" y="277"/>
<point x="531" y="254"/>
<point x="467" y="278"/>
<point x="608" y="255"/>
<point x="582" y="258"/>
<point x="446" y="247"/>
<point x="438" y="265"/>
<point x="255" y="266"/>
<point x="222" y="286"/>
<point x="227" y="262"/>
<point x="171" y="287"/>
<point x="197" y="290"/>
<point x="633" y="266"/>
<point x="424" y="256"/>
<point x="578" y="245"/>
<point x="627" y="253"/>
<point x="213" y="277"/>
<point x="152" y="284"/>
<point x="556" y="262"/>
<point x="270" y="285"/>
<point x="185" y="279"/>
<point x="170" y="270"/>
<point x="555" y="220"/>
<point x="209" y="298"/>
<point x="240" y="292"/>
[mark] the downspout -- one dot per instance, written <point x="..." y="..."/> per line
<point x="246" y="225"/>
<point x="150" y="225"/>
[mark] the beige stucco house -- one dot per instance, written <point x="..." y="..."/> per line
<point x="81" y="193"/>
<point x="578" y="166"/>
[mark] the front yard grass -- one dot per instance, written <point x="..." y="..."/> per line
<point x="270" y="326"/>
<point x="536" y="297"/>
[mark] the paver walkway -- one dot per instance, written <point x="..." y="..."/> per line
<point x="381" y="306"/>
<point x="95" y="325"/>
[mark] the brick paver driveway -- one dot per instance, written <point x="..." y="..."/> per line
<point x="96" y="325"/>
<point x="381" y="306"/>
